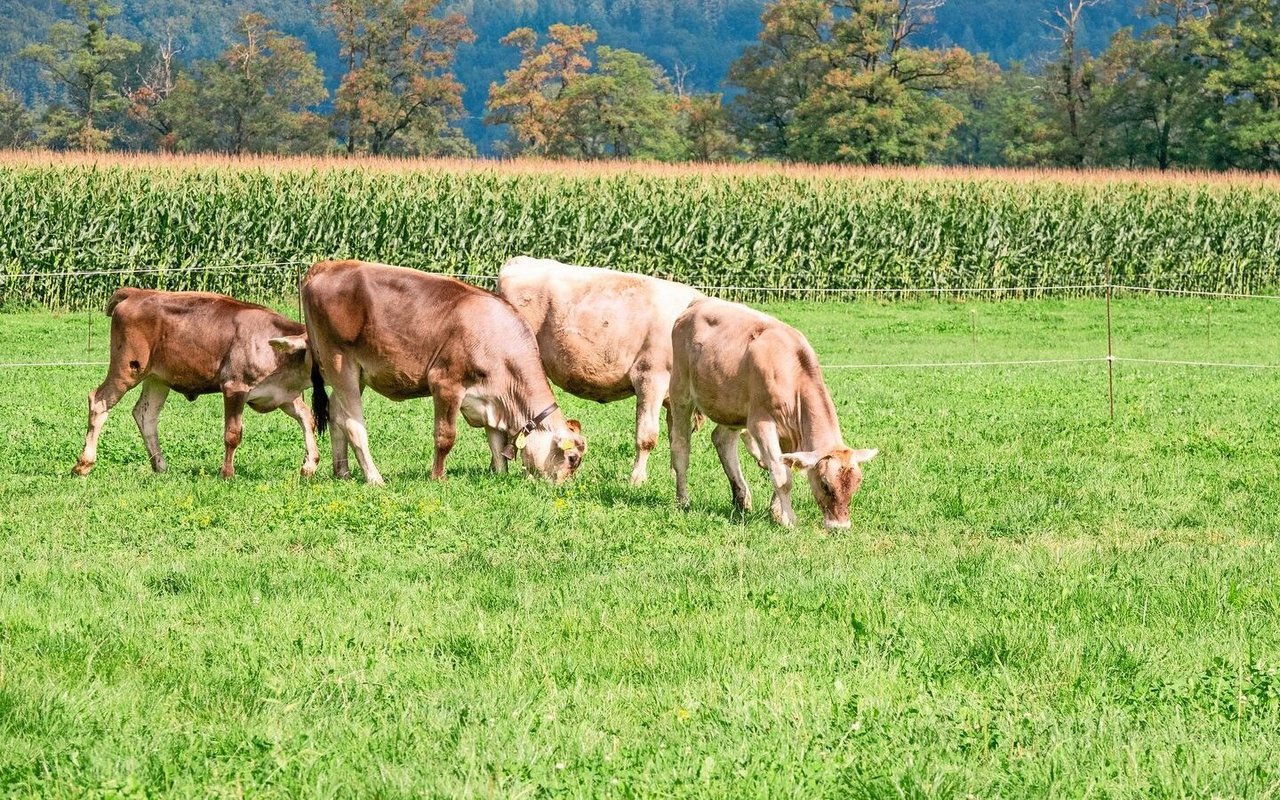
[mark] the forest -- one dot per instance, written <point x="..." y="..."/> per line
<point x="1074" y="83"/>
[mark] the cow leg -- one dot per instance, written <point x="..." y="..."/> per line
<point x="765" y="434"/>
<point x="680" y="431"/>
<point x="726" y="442"/>
<point x="649" y="397"/>
<point x="446" y="423"/>
<point x="146" y="412"/>
<point x="754" y="449"/>
<point x="299" y="410"/>
<point x="102" y="400"/>
<point x="349" y="416"/>
<point x="497" y="443"/>
<point x="232" y="427"/>
<point x="338" y="442"/>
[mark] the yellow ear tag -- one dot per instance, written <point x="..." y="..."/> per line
<point x="520" y="441"/>
<point x="568" y="445"/>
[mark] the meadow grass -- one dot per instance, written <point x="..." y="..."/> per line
<point x="1033" y="600"/>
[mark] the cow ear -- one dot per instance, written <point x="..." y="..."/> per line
<point x="801" y="460"/>
<point x="863" y="456"/>
<point x="289" y="344"/>
<point x="573" y="425"/>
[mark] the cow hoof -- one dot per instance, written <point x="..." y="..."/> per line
<point x="308" y="470"/>
<point x="227" y="474"/>
<point x="82" y="468"/>
<point x="160" y="467"/>
<point x="638" y="478"/>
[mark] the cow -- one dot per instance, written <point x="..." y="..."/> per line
<point x="405" y="334"/>
<point x="603" y="335"/>
<point x="203" y="343"/>
<point x="750" y="372"/>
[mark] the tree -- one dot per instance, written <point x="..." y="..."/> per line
<point x="398" y="93"/>
<point x="152" y="86"/>
<point x="254" y="99"/>
<point x="1068" y="90"/>
<point x="81" y="56"/>
<point x="17" y="128"/>
<point x="1001" y="122"/>
<point x="624" y="109"/>
<point x="1240" y="39"/>
<point x="837" y="80"/>
<point x="532" y="97"/>
<point x="559" y="105"/>
<point x="706" y="127"/>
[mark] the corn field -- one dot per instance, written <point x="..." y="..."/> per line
<point x="157" y="224"/>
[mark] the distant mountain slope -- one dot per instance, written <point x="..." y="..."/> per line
<point x="704" y="35"/>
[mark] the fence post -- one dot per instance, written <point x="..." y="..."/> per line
<point x="973" y="331"/>
<point x="1111" y="357"/>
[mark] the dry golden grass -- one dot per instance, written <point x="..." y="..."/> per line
<point x="594" y="169"/>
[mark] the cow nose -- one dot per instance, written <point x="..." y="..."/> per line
<point x="837" y="525"/>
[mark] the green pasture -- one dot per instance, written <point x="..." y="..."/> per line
<point x="1033" y="600"/>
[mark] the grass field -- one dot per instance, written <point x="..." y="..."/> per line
<point x="1032" y="601"/>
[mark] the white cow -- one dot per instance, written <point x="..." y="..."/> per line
<point x="603" y="335"/>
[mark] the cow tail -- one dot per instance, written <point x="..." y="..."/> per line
<point x="319" y="399"/>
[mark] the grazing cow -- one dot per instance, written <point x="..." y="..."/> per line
<point x="202" y="343"/>
<point x="406" y="334"/>
<point x="747" y="370"/>
<point x="603" y="335"/>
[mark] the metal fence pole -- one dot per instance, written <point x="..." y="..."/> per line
<point x="1111" y="356"/>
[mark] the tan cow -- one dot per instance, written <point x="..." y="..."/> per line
<point x="405" y="334"/>
<point x="202" y="343"/>
<point x="603" y="335"/>
<point x="748" y="371"/>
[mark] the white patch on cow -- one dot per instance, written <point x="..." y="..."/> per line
<point x="481" y="411"/>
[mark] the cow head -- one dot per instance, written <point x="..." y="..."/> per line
<point x="834" y="477"/>
<point x="292" y="351"/>
<point x="555" y="454"/>
<point x="288" y="345"/>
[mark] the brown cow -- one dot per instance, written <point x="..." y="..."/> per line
<point x="202" y="343"/>
<point x="603" y="335"/>
<point x="747" y="370"/>
<point x="406" y="334"/>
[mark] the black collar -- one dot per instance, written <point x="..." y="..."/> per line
<point x="536" y="421"/>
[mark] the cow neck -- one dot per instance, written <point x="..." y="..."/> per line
<point x="816" y="420"/>
<point x="522" y="405"/>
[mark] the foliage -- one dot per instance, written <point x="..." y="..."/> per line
<point x="17" y="126"/>
<point x="559" y="104"/>
<point x="1032" y="602"/>
<point x="1001" y="122"/>
<point x="254" y="99"/>
<point x="794" y="232"/>
<point x="1243" y="42"/>
<point x="837" y="81"/>
<point x="532" y="100"/>
<point x="398" y="94"/>
<point x="81" y="57"/>
<point x="707" y="129"/>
